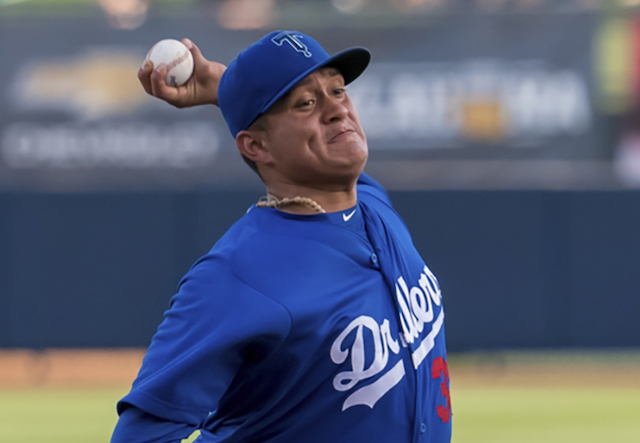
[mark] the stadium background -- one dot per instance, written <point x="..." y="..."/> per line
<point x="507" y="132"/>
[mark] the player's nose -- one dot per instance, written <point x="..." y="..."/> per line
<point x="334" y="109"/>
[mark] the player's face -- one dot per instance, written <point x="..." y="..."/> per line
<point x="314" y="136"/>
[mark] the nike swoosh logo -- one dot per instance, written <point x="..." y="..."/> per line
<point x="346" y="217"/>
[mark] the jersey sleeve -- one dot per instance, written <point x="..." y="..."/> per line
<point x="212" y="322"/>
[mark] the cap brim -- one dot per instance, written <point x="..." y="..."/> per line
<point x="351" y="63"/>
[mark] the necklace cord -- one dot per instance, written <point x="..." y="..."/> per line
<point x="273" y="202"/>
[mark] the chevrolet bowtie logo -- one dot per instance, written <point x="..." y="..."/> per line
<point x="96" y="84"/>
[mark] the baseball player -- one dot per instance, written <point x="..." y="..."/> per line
<point x="314" y="318"/>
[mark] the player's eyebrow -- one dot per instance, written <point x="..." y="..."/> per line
<point x="331" y="72"/>
<point x="302" y="82"/>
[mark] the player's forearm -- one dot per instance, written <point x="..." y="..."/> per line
<point x="136" y="426"/>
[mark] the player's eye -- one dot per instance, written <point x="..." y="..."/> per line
<point x="305" y="103"/>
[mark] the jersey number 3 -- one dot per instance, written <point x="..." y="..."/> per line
<point x="440" y="369"/>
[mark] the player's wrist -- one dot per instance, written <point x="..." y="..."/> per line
<point x="215" y="72"/>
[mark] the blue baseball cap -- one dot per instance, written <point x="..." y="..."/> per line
<point x="272" y="66"/>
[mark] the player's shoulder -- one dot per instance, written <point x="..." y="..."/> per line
<point x="240" y="232"/>
<point x="372" y="192"/>
<point x="253" y="235"/>
<point x="376" y="199"/>
<point x="217" y="261"/>
<point x="262" y="248"/>
<point x="223" y="270"/>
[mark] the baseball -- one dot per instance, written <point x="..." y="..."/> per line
<point x="176" y="56"/>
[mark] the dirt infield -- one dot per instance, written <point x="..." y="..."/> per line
<point x="62" y="367"/>
<point x="569" y="369"/>
<point x="118" y="367"/>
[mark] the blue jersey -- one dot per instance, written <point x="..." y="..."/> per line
<point x="302" y="328"/>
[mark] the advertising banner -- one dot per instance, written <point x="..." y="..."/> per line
<point x="459" y="90"/>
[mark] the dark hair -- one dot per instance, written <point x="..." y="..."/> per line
<point x="251" y="164"/>
<point x="259" y="124"/>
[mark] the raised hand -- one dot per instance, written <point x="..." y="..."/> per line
<point x="200" y="89"/>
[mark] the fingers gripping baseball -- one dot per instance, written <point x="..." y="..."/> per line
<point x="200" y="89"/>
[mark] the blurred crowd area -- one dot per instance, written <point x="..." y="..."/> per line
<point x="251" y="14"/>
<point x="255" y="14"/>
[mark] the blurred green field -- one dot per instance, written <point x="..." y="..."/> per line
<point x="481" y="415"/>
<point x="549" y="415"/>
<point x="57" y="415"/>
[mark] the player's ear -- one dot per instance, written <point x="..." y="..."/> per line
<point x="251" y="144"/>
